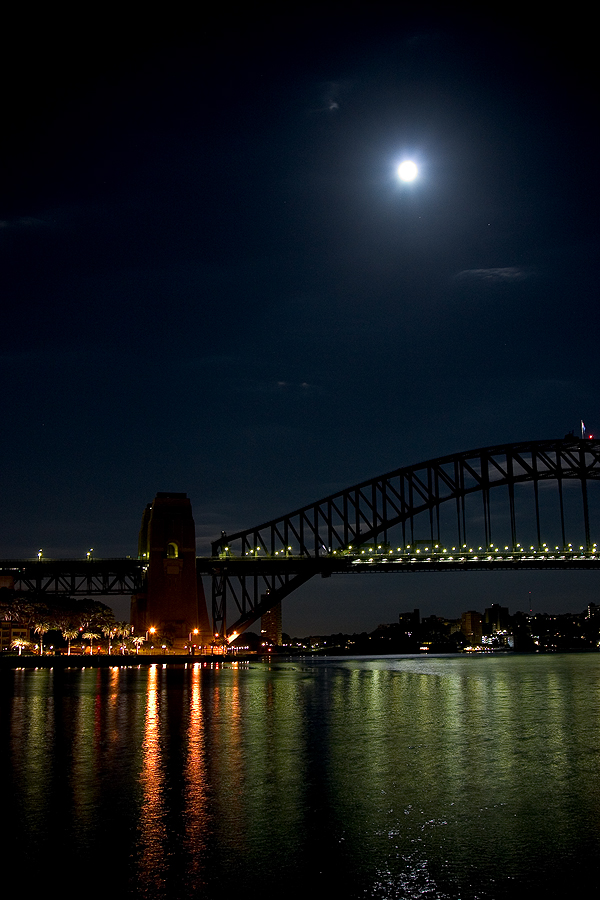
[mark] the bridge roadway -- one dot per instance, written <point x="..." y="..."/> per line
<point x="436" y="561"/>
<point x="123" y="577"/>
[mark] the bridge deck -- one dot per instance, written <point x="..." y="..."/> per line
<point x="439" y="562"/>
<point x="126" y="575"/>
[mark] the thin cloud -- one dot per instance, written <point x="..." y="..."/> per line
<point x="21" y="223"/>
<point x="330" y="97"/>
<point x="498" y="275"/>
<point x="289" y="388"/>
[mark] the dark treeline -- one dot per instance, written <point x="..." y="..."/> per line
<point x="56" y="620"/>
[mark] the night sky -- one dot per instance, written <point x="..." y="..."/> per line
<point x="214" y="282"/>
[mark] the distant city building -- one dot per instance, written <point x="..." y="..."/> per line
<point x="13" y="631"/>
<point x="472" y="626"/>
<point x="496" y="618"/>
<point x="270" y="626"/>
<point x="410" y="620"/>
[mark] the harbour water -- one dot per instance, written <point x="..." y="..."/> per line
<point x="405" y="777"/>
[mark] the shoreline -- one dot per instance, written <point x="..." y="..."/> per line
<point x="174" y="659"/>
<point x="109" y="662"/>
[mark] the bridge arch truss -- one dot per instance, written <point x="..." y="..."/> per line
<point x="534" y="504"/>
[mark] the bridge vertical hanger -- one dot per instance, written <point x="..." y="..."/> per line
<point x="584" y="493"/>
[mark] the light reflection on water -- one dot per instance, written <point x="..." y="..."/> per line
<point x="397" y="778"/>
<point x="152" y="823"/>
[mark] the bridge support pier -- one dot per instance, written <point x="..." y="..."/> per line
<point x="172" y="601"/>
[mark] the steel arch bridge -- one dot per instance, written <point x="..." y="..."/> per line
<point x="533" y="505"/>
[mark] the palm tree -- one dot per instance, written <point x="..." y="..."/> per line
<point x="91" y="637"/>
<point x="41" y="628"/>
<point x="123" y="629"/>
<point x="19" y="644"/>
<point x="70" y="633"/>
<point x="109" y="629"/>
<point x="138" y="640"/>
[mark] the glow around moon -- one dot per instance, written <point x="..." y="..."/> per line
<point x="407" y="170"/>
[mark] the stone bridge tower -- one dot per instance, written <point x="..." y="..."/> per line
<point x="173" y="601"/>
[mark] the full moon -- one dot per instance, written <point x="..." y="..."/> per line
<point x="407" y="170"/>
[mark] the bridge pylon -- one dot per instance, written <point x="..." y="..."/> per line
<point x="172" y="601"/>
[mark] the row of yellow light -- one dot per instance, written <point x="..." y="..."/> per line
<point x="436" y="549"/>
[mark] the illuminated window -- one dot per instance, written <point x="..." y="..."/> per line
<point x="172" y="550"/>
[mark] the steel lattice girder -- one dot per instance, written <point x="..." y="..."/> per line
<point x="77" y="578"/>
<point x="368" y="511"/>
